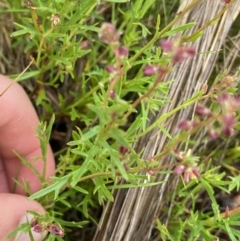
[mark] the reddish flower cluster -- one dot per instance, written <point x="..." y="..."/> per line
<point x="226" y="119"/>
<point x="188" y="166"/>
<point x="108" y="34"/>
<point x="52" y="228"/>
<point x="179" y="53"/>
<point x="188" y="172"/>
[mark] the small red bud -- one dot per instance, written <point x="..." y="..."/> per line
<point x="113" y="94"/>
<point x="213" y="134"/>
<point x="227" y="131"/>
<point x="150" y="70"/>
<point x="123" y="150"/>
<point x="223" y="98"/>
<point x="37" y="227"/>
<point x="203" y="111"/>
<point x="111" y="69"/>
<point x="167" y="45"/>
<point x="179" y="55"/>
<point x="190" y="51"/>
<point x="186" y="124"/>
<point x="227" y="212"/>
<point x="123" y="52"/>
<point x="178" y="170"/>
<point x="228" y="120"/>
<point x="151" y="172"/>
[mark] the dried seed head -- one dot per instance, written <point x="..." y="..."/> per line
<point x="108" y="34"/>
<point x="55" y="229"/>
<point x="55" y="19"/>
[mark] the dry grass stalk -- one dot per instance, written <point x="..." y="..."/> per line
<point x="132" y="216"/>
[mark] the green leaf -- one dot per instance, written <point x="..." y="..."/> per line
<point x="73" y="224"/>
<point x="64" y="202"/>
<point x="115" y="159"/>
<point x="195" y="36"/>
<point x="165" y="132"/>
<point x="229" y="231"/>
<point x="88" y="135"/>
<point x="210" y="192"/>
<point x="76" y="175"/>
<point x="147" y="4"/>
<point x="179" y="29"/>
<point x="49" y="128"/>
<point x="119" y="136"/>
<point x="81" y="190"/>
<point x="20" y="32"/>
<point x="129" y="185"/>
<point x="102" y="190"/>
<point x="55" y="187"/>
<point x="145" y="31"/>
<point x="26" y="75"/>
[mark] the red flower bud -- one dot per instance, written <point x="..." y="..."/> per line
<point x="150" y="70"/>
<point x="123" y="150"/>
<point x="178" y="170"/>
<point x="213" y="134"/>
<point x="123" y="51"/>
<point x="186" y="124"/>
<point x="167" y="45"/>
<point x="203" y="111"/>
<point x="111" y="69"/>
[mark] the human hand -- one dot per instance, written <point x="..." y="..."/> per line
<point x="18" y="122"/>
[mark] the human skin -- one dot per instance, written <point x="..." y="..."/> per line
<point x="18" y="123"/>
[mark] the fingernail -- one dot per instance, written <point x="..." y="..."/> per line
<point x="21" y="236"/>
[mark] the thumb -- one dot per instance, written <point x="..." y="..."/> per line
<point x="13" y="209"/>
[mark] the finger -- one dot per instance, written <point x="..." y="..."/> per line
<point x="13" y="209"/>
<point x="18" y="122"/>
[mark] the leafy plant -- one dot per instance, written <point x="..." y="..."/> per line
<point x="97" y="65"/>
